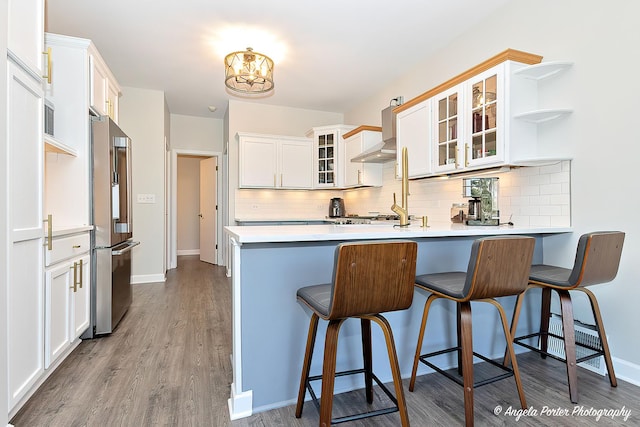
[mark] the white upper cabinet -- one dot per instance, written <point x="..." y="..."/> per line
<point x="271" y="161"/>
<point x="447" y="130"/>
<point x="329" y="155"/>
<point x="413" y="130"/>
<point x="485" y="117"/>
<point x="26" y="34"/>
<point x="361" y="174"/>
<point x="104" y="89"/>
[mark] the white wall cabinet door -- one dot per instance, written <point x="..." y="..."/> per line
<point x="413" y="128"/>
<point x="26" y="32"/>
<point x="57" y="330"/>
<point x="98" y="93"/>
<point x="258" y="162"/>
<point x="24" y="172"/>
<point x="296" y="159"/>
<point x="360" y="174"/>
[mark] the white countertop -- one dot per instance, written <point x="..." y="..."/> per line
<point x="311" y="233"/>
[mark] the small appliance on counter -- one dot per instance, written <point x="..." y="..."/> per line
<point x="336" y="208"/>
<point x="483" y="205"/>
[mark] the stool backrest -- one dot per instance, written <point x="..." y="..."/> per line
<point x="597" y="258"/>
<point x="498" y="266"/>
<point x="372" y="277"/>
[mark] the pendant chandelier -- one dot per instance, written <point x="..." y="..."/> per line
<point x="248" y="72"/>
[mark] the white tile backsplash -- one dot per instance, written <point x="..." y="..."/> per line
<point x="531" y="195"/>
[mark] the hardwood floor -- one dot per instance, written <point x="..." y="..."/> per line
<point x="167" y="364"/>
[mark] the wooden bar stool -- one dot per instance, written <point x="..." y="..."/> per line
<point x="597" y="260"/>
<point x="498" y="266"/>
<point x="369" y="278"/>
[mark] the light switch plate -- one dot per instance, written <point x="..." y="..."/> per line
<point x="146" y="198"/>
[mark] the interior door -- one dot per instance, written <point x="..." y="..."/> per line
<point x="208" y="210"/>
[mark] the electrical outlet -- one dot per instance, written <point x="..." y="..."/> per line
<point x="254" y="206"/>
<point x="146" y="198"/>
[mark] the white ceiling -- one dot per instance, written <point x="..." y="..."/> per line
<point x="331" y="54"/>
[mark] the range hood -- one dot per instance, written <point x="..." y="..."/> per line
<point x="385" y="151"/>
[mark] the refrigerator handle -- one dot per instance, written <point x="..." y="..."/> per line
<point x="126" y="249"/>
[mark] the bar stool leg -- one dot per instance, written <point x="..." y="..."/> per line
<point x="467" y="360"/>
<point x="395" y="368"/>
<point x="545" y="314"/>
<point x="459" y="337"/>
<point x="306" y="365"/>
<point x="569" y="340"/>
<point x="423" y="325"/>
<point x="595" y="308"/>
<point x="329" y="371"/>
<point x="514" y="325"/>
<point x="365" y="326"/>
<point x="511" y="352"/>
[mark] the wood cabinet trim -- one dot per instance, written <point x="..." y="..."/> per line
<point x="507" y="55"/>
<point x="361" y="129"/>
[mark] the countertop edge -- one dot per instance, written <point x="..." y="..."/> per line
<point x="323" y="233"/>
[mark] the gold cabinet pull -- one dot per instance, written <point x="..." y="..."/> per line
<point x="455" y="158"/>
<point x="48" y="76"/>
<point x="76" y="246"/>
<point x="466" y="158"/>
<point x="274" y="180"/>
<point x="49" y="222"/>
<point x="280" y="180"/>
<point x="359" y="177"/>
<point x="80" y="281"/>
<point x="75" y="282"/>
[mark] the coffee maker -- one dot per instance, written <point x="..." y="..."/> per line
<point x="336" y="208"/>
<point x="483" y="205"/>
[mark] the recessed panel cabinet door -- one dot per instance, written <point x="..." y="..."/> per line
<point x="414" y="132"/>
<point x="26" y="32"/>
<point x="296" y="164"/>
<point x="258" y="162"/>
<point x="81" y="297"/>
<point x="57" y="311"/>
<point x="24" y="172"/>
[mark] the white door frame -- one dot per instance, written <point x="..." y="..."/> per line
<point x="173" y="262"/>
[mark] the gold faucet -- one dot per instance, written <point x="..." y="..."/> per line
<point x="403" y="211"/>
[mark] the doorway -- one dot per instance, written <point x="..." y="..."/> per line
<point x="194" y="206"/>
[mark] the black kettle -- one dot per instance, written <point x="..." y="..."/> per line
<point x="336" y="208"/>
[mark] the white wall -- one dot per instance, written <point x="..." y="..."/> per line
<point x="3" y="218"/>
<point x="142" y="117"/>
<point x="196" y="133"/>
<point x="188" y="208"/>
<point x="602" y="87"/>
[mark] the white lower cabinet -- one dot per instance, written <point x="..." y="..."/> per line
<point x="57" y="312"/>
<point x="66" y="306"/>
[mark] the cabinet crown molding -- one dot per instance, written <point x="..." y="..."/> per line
<point x="507" y="55"/>
<point x="361" y="129"/>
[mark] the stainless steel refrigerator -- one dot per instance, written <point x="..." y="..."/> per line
<point x="112" y="239"/>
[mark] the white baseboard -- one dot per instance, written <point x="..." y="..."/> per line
<point x="188" y="252"/>
<point x="626" y="371"/>
<point x="240" y="404"/>
<point x="147" y="278"/>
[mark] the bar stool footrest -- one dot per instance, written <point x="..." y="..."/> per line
<point x="359" y="416"/>
<point x="458" y="379"/>
<point x="597" y="352"/>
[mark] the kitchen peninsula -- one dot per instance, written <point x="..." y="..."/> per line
<point x="269" y="264"/>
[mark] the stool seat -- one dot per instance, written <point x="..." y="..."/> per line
<point x="369" y="278"/>
<point x="450" y="284"/>
<point x="318" y="297"/>
<point x="556" y="276"/>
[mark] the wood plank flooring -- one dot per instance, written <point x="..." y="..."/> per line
<point x="167" y="364"/>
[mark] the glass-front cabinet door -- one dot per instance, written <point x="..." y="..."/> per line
<point x="484" y="102"/>
<point x="447" y="131"/>
<point x="326" y="158"/>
